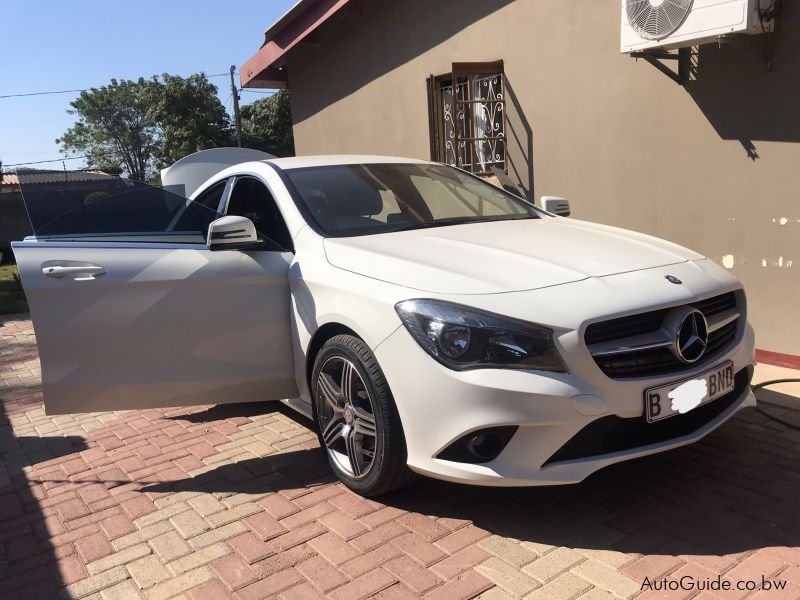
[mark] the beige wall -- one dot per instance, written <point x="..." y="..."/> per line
<point x="714" y="165"/>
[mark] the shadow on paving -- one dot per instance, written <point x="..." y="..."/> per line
<point x="735" y="491"/>
<point x="27" y="557"/>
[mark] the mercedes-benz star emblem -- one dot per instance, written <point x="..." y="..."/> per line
<point x="673" y="279"/>
<point x="691" y="337"/>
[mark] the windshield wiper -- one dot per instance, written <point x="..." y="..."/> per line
<point x="458" y="221"/>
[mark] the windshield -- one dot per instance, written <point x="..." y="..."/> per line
<point x="351" y="200"/>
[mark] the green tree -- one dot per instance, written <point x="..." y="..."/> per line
<point x="113" y="129"/>
<point x="189" y="115"/>
<point x="267" y="125"/>
<point x="136" y="127"/>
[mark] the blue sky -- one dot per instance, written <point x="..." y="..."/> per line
<point x="49" y="45"/>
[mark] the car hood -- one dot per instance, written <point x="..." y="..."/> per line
<point x="501" y="256"/>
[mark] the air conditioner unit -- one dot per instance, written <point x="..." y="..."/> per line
<point x="670" y="24"/>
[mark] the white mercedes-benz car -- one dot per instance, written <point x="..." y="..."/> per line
<point x="428" y="321"/>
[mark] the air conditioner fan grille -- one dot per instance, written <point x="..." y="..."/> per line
<point x="656" y="19"/>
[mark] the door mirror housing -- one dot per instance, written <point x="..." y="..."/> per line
<point x="232" y="233"/>
<point x="556" y="205"/>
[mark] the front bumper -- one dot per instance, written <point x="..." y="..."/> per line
<point x="438" y="406"/>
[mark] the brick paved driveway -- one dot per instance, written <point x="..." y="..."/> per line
<point x="238" y="502"/>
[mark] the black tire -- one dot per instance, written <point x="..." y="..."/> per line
<point x="388" y="470"/>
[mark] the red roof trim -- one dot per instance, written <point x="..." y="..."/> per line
<point x="263" y="68"/>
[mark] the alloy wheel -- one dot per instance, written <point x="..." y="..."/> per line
<point x="346" y="417"/>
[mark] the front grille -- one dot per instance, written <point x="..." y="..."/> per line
<point x="615" y="434"/>
<point x="657" y="361"/>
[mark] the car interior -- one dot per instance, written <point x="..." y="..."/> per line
<point x="252" y="199"/>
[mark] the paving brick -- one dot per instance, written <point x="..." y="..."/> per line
<point x="271" y="586"/>
<point x="177" y="585"/>
<point x="138" y="507"/>
<point x="161" y="514"/>
<point x="553" y="564"/>
<point x="116" y="526"/>
<point x="652" y="566"/>
<point x="147" y="571"/>
<point x="333" y="548"/>
<point x="461" y="538"/>
<point x="378" y="536"/>
<point x="170" y="546"/>
<point x="466" y="558"/>
<point x="120" y="557"/>
<point x="365" y="586"/>
<point x="94" y="583"/>
<point x="412" y="574"/>
<point x="250" y="547"/>
<point x="343" y="525"/>
<point x="507" y="577"/>
<point x="236" y="513"/>
<point x="321" y="573"/>
<point x="607" y="579"/>
<point x="189" y="524"/>
<point x="354" y="505"/>
<point x="466" y="585"/>
<point x="278" y="506"/>
<point x="265" y="526"/>
<point x="71" y="569"/>
<point x="304" y="591"/>
<point x="420" y="550"/>
<point x="93" y="547"/>
<point x="307" y="515"/>
<point x="425" y="527"/>
<point x="206" y="505"/>
<point x="233" y="572"/>
<point x="386" y="514"/>
<point x="296" y="537"/>
<point x="72" y="509"/>
<point x="199" y="558"/>
<point x="511" y="551"/>
<point x="219" y="534"/>
<point x="281" y="561"/>
<point x="210" y="590"/>
<point x="566" y="586"/>
<point x="142" y="535"/>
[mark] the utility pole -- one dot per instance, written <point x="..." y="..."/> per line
<point x="236" y="116"/>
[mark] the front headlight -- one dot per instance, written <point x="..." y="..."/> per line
<point x="463" y="338"/>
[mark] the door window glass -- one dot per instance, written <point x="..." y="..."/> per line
<point x="252" y="199"/>
<point x="86" y="206"/>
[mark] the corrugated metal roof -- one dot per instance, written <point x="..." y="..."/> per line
<point x="42" y="176"/>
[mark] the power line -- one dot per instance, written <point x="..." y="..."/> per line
<point x="40" y="93"/>
<point x="39" y="162"/>
<point x="76" y="91"/>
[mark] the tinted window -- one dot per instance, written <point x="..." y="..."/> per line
<point x="347" y="200"/>
<point x="212" y="197"/>
<point x="98" y="207"/>
<point x="252" y="199"/>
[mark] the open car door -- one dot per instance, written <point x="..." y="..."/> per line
<point x="131" y="309"/>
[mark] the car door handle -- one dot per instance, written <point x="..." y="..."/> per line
<point x="76" y="272"/>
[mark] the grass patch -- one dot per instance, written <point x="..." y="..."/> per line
<point x="12" y="298"/>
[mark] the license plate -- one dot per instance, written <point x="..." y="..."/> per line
<point x="682" y="396"/>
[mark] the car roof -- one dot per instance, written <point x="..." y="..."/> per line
<point x="299" y="162"/>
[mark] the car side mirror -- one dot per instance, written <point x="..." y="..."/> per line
<point x="232" y="233"/>
<point x="556" y="205"/>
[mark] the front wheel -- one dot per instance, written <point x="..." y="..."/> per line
<point x="358" y="424"/>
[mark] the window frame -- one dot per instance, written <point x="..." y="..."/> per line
<point x="436" y="118"/>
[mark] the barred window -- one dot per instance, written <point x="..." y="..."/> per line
<point x="466" y="110"/>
